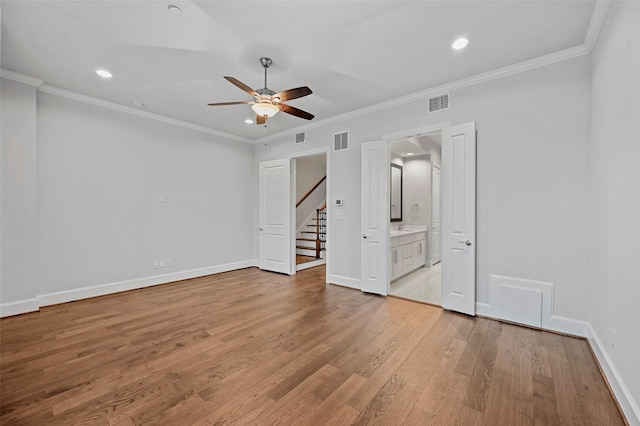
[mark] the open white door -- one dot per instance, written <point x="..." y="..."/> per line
<point x="375" y="217"/>
<point x="459" y="218"/>
<point x="274" y="216"/>
<point x="436" y="182"/>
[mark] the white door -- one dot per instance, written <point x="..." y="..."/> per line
<point x="459" y="218"/>
<point x="435" y="214"/>
<point x="274" y="216"/>
<point x="374" y="258"/>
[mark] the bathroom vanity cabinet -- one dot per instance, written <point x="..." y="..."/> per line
<point x="408" y="251"/>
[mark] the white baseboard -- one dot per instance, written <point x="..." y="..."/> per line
<point x="345" y="281"/>
<point x="623" y="395"/>
<point x="19" y="307"/>
<point x="313" y="263"/>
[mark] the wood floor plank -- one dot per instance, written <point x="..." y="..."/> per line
<point x="259" y="348"/>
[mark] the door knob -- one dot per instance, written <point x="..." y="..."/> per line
<point x="261" y="229"/>
<point x="364" y="236"/>
<point x="465" y="242"/>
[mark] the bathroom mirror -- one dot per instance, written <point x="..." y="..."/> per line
<point x="396" y="193"/>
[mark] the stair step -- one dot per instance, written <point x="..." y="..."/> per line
<point x="306" y="248"/>
<point x="305" y="239"/>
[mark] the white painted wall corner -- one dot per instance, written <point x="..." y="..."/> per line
<point x="623" y="395"/>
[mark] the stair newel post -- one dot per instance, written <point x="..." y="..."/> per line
<point x="317" y="233"/>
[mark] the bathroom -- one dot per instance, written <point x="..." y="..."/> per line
<point x="415" y="218"/>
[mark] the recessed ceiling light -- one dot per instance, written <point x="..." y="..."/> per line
<point x="248" y="121"/>
<point x="174" y="9"/>
<point x="409" y="154"/>
<point x="460" y="43"/>
<point x="104" y="73"/>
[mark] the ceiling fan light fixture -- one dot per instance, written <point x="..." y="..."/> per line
<point x="265" y="108"/>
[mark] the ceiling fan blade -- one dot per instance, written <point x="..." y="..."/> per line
<point x="296" y="93"/>
<point x="241" y="85"/>
<point x="295" y="111"/>
<point x="261" y="119"/>
<point x="232" y="103"/>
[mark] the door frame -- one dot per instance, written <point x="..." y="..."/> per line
<point x="389" y="137"/>
<point x="292" y="186"/>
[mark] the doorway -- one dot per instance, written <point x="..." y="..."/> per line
<point x="414" y="233"/>
<point x="309" y="218"/>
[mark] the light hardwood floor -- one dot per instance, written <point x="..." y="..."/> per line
<point x="252" y="347"/>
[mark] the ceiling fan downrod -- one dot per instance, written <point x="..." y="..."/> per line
<point x="266" y="63"/>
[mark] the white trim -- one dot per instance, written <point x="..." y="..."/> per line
<point x="566" y="325"/>
<point x="319" y="151"/>
<point x="313" y="263"/>
<point x="550" y="321"/>
<point x="134" y="111"/>
<point x="31" y="305"/>
<point x="418" y="131"/>
<point x="483" y="309"/>
<point x="541" y="61"/>
<point x="598" y="15"/>
<point x="623" y="395"/>
<point x="20" y="78"/>
<point x="344" y="281"/>
<point x="531" y="64"/>
<point x="19" y="307"/>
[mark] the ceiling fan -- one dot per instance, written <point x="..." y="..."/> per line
<point x="266" y="103"/>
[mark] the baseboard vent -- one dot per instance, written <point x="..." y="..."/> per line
<point x="301" y="137"/>
<point x="341" y="141"/>
<point x="439" y="103"/>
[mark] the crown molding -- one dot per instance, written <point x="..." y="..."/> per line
<point x="541" y="61"/>
<point x="21" y="78"/>
<point x="600" y="9"/>
<point x="133" y="111"/>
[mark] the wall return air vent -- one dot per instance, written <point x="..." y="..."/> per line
<point x="439" y="103"/>
<point x="341" y="141"/>
<point x="301" y="137"/>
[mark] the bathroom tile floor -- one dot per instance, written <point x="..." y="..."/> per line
<point x="422" y="285"/>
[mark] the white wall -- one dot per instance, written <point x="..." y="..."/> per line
<point x="614" y="227"/>
<point x="309" y="170"/>
<point x="417" y="190"/>
<point x="18" y="192"/>
<point x="532" y="177"/>
<point x="98" y="184"/>
<point x="532" y="173"/>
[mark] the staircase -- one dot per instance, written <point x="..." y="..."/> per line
<point x="312" y="236"/>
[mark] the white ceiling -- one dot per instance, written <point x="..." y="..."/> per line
<point x="352" y="54"/>
<point x="417" y="145"/>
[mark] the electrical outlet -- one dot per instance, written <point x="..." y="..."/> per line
<point x="155" y="264"/>
<point x="161" y="263"/>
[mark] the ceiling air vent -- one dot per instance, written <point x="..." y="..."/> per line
<point x="341" y="141"/>
<point x="301" y="137"/>
<point x="439" y="103"/>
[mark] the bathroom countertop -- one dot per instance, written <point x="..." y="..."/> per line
<point x="396" y="233"/>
